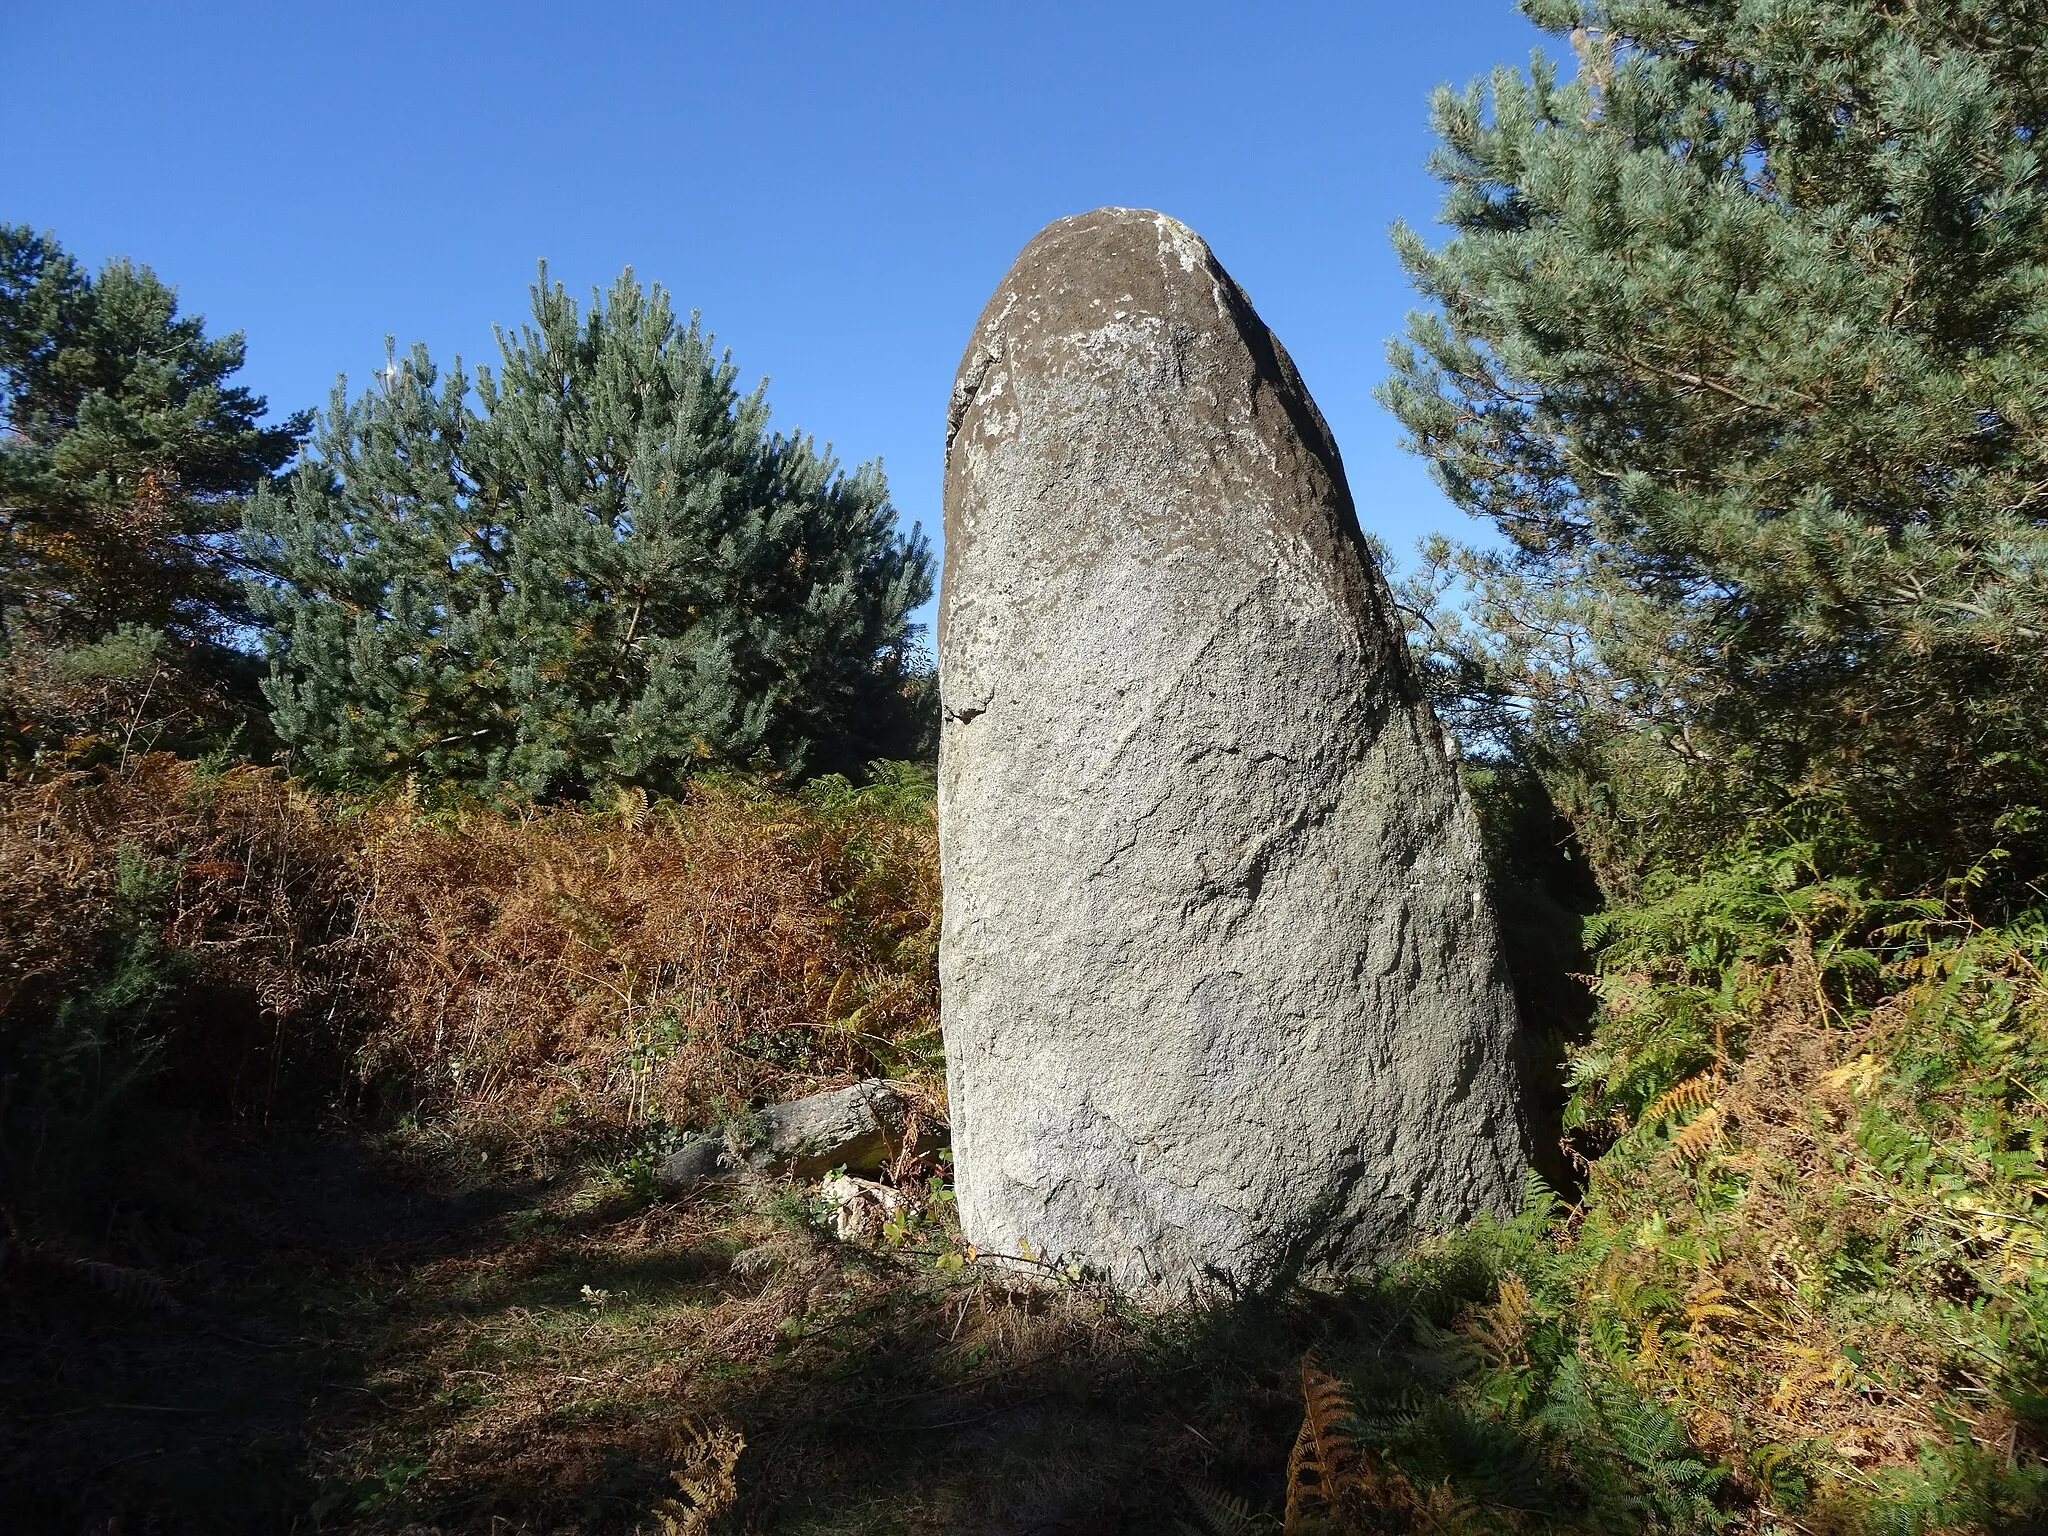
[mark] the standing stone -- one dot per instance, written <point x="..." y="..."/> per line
<point x="1221" y="988"/>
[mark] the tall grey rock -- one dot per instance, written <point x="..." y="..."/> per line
<point x="1220" y="985"/>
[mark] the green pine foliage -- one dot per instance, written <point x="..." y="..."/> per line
<point x="599" y="568"/>
<point x="125" y="452"/>
<point x="1740" y="339"/>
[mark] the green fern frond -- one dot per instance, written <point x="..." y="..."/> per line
<point x="1223" y="1514"/>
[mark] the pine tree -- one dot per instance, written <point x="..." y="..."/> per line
<point x="597" y="568"/>
<point x="1741" y="339"/>
<point x="125" y="453"/>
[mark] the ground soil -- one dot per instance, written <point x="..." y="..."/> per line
<point x="315" y="1331"/>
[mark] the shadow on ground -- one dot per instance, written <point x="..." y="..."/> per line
<point x="306" y="1333"/>
<point x="186" y="1387"/>
<point x="317" y="1332"/>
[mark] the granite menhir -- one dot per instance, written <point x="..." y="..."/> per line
<point x="1221" y="987"/>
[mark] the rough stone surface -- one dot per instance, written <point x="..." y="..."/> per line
<point x="699" y="1161"/>
<point x="1220" y="985"/>
<point x="859" y="1128"/>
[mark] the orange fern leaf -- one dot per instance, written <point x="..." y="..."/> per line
<point x="1497" y="1332"/>
<point x="1693" y="1093"/>
<point x="1334" y="1484"/>
<point x="1323" y="1468"/>
<point x="705" y="1480"/>
<point x="1692" y="1142"/>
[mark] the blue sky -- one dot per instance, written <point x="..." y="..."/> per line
<point x="837" y="187"/>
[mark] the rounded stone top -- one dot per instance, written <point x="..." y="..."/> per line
<point x="1119" y="329"/>
<point x="1115" y="255"/>
<point x="1092" y="275"/>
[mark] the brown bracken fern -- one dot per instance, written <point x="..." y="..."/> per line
<point x="1692" y="1142"/>
<point x="1693" y="1093"/>
<point x="1700" y="1093"/>
<point x="1334" y="1486"/>
<point x="1498" y="1333"/>
<point x="706" y="1480"/>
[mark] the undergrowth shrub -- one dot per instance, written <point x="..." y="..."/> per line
<point x="668" y="964"/>
<point x="66" y="1081"/>
<point x="1806" y="1287"/>
<point x="250" y="949"/>
<point x="229" y="891"/>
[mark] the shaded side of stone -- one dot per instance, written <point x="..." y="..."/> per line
<point x="699" y="1161"/>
